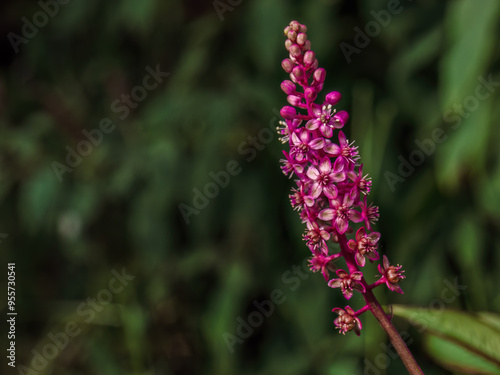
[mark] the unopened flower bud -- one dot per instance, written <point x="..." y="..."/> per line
<point x="295" y="25"/>
<point x="307" y="45"/>
<point x="315" y="64"/>
<point x="294" y="100"/>
<point x="301" y="38"/>
<point x="310" y="94"/>
<point x="341" y="117"/>
<point x="295" y="50"/>
<point x="288" y="112"/>
<point x="288" y="44"/>
<point x="319" y="75"/>
<point x="333" y="97"/>
<point x="303" y="28"/>
<point x="288" y="87"/>
<point x="287" y="30"/>
<point x="309" y="57"/>
<point x="287" y="65"/>
<point x="298" y="73"/>
<point x="292" y="35"/>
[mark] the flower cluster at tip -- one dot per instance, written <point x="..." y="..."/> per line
<point x="331" y="189"/>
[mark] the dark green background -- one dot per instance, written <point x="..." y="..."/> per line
<point x="120" y="206"/>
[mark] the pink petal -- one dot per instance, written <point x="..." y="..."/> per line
<point x="357" y="275"/>
<point x="313" y="124"/>
<point x="353" y="245"/>
<point x="347" y="293"/>
<point x="316" y="110"/>
<point x="330" y="191"/>
<point x="324" y="235"/>
<point x="360" y="260"/>
<point x="326" y="165"/>
<point x="360" y="234"/>
<point x="374" y="236"/>
<point x="304" y="136"/>
<point x="316" y="190"/>
<point x="327" y="214"/>
<point x="333" y="149"/>
<point x="341" y="225"/>
<point x="373" y="255"/>
<point x="342" y="274"/>
<point x="386" y="262"/>
<point x="295" y="139"/>
<point x="317" y="143"/>
<point x="309" y="201"/>
<point x="342" y="139"/>
<point x="326" y="131"/>
<point x="335" y="283"/>
<point x="312" y="173"/>
<point x="355" y="216"/>
<point x="339" y="165"/>
<point x="337" y="177"/>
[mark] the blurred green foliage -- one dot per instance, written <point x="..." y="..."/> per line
<point x="119" y="207"/>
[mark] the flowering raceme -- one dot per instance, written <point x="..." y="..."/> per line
<point x="331" y="190"/>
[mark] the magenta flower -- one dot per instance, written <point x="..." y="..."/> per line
<point x="340" y="214"/>
<point x="369" y="213"/>
<point x="348" y="282"/>
<point x="345" y="151"/>
<point x="364" y="245"/>
<point x="320" y="262"/>
<point x="303" y="148"/>
<point x="326" y="120"/>
<point x="347" y="320"/>
<point x="316" y="237"/>
<point x="392" y="275"/>
<point x="324" y="179"/>
<point x="290" y="166"/>
<point x="361" y="183"/>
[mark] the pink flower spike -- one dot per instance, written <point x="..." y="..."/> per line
<point x="392" y="275"/>
<point x="347" y="320"/>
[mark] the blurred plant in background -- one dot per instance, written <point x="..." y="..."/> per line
<point x="422" y="125"/>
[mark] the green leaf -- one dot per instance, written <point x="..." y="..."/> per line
<point x="456" y="357"/>
<point x="458" y="340"/>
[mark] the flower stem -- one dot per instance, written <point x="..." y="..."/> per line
<point x="374" y="306"/>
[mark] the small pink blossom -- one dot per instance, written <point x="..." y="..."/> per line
<point x="323" y="263"/>
<point x="340" y="214"/>
<point x="364" y="245"/>
<point x="392" y="275"/>
<point x="345" y="152"/>
<point x="324" y="179"/>
<point x="316" y="237"/>
<point x="348" y="282"/>
<point x="347" y="320"/>
<point x="303" y="147"/>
